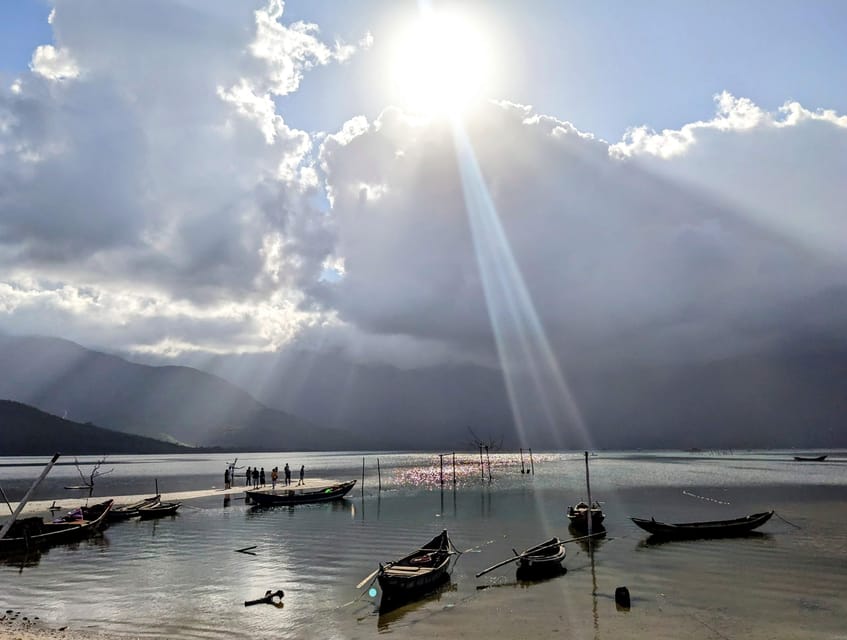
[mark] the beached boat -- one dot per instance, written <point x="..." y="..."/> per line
<point x="542" y="559"/>
<point x="712" y="529"/>
<point x="301" y="495"/>
<point x="578" y="516"/>
<point x="29" y="533"/>
<point x="414" y="575"/>
<point x="810" y="459"/>
<point x="158" y="510"/>
<point x="126" y="511"/>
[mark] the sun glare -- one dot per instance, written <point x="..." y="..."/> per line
<point x="441" y="64"/>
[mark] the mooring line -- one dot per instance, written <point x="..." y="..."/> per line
<point x="694" y="495"/>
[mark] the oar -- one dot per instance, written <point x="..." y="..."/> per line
<point x="369" y="577"/>
<point x="522" y="555"/>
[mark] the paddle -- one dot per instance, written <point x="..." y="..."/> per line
<point x="546" y="546"/>
<point x="369" y="577"/>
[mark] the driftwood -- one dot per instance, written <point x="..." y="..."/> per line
<point x="267" y="599"/>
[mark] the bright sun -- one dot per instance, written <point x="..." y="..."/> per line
<point x="441" y="65"/>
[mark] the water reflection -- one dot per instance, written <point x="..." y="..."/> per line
<point x="390" y="613"/>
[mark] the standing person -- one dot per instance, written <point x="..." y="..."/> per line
<point x="262" y="477"/>
<point x="274" y="477"/>
<point x="249" y="477"/>
<point x="255" y="477"/>
<point x="302" y="473"/>
<point x="287" y="475"/>
<point x="226" y="478"/>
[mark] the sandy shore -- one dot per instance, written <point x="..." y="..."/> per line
<point x="66" y="503"/>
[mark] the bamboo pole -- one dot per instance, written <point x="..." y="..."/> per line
<point x="454" y="468"/>
<point x="379" y="474"/>
<point x="518" y="556"/>
<point x="488" y="457"/>
<point x="481" y="466"/>
<point x="363" y="476"/>
<point x="531" y="464"/>
<point x="5" y="529"/>
<point x="588" y="487"/>
<point x="522" y="468"/>
<point x="441" y="467"/>
<point x="6" y="500"/>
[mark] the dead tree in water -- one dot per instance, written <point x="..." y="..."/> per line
<point x="93" y="475"/>
<point x="491" y="444"/>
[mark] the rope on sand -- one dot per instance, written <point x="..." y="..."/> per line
<point x="694" y="495"/>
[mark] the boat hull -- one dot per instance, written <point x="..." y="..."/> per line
<point x="542" y="560"/>
<point x="809" y="459"/>
<point x="416" y="574"/>
<point x="36" y="533"/>
<point x="160" y="510"/>
<point x="283" y="497"/>
<point x="711" y="529"/>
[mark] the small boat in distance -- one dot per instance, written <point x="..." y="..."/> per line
<point x="301" y="495"/>
<point x="809" y="459"/>
<point x="158" y="510"/>
<point x="30" y="533"/>
<point x="541" y="560"/>
<point x="126" y="511"/>
<point x="416" y="574"/>
<point x="712" y="529"/>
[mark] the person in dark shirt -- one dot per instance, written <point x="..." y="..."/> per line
<point x="302" y="473"/>
<point x="249" y="477"/>
<point x="262" y="476"/>
<point x="255" y="478"/>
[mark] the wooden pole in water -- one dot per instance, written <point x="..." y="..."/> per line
<point x="481" y="466"/>
<point x="363" y="476"/>
<point x="5" y="529"/>
<point x="454" y="467"/>
<point x="441" y="467"/>
<point x="379" y="474"/>
<point x="522" y="470"/>
<point x="588" y="487"/>
<point x="488" y="457"/>
<point x="531" y="464"/>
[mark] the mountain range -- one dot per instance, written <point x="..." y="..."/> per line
<point x="791" y="395"/>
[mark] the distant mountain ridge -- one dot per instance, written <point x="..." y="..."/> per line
<point x="29" y="432"/>
<point x="170" y="402"/>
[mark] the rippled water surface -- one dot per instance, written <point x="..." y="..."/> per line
<point x="181" y="577"/>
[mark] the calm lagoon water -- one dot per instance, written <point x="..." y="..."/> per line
<point x="181" y="577"/>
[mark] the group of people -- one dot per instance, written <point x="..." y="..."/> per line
<point x="256" y="476"/>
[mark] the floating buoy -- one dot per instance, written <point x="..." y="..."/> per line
<point x="622" y="598"/>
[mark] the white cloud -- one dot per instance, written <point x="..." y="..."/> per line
<point x="53" y="63"/>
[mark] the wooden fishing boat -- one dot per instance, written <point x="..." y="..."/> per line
<point x="29" y="533"/>
<point x="712" y="529"/>
<point x="126" y="511"/>
<point x="302" y="495"/>
<point x="158" y="510"/>
<point x="542" y="559"/>
<point x="810" y="459"/>
<point x="578" y="516"/>
<point x="416" y="574"/>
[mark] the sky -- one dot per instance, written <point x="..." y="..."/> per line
<point x="422" y="183"/>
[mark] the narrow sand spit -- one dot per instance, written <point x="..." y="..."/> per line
<point x="66" y="502"/>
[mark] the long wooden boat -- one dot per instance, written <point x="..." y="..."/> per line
<point x="542" y="559"/>
<point x="126" y="511"/>
<point x="578" y="516"/>
<point x="288" y="496"/>
<point x="810" y="459"/>
<point x="712" y="529"/>
<point x="414" y="575"/>
<point x="29" y="533"/>
<point x="158" y="510"/>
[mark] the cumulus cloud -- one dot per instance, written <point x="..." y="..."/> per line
<point x="153" y="197"/>
<point x="682" y="240"/>
<point x="145" y="153"/>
